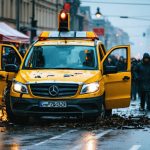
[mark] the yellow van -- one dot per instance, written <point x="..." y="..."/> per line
<point x="69" y="74"/>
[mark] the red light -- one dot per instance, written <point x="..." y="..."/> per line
<point x="67" y="7"/>
<point x="63" y="15"/>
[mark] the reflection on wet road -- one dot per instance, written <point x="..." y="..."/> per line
<point x="129" y="132"/>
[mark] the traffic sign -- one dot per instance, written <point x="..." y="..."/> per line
<point x="99" y="31"/>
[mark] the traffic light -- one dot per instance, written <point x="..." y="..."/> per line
<point x="63" y="21"/>
<point x="67" y="7"/>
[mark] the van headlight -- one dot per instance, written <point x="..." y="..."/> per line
<point x="90" y="88"/>
<point x="20" y="88"/>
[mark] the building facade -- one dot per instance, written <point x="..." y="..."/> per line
<point x="86" y="18"/>
<point x="148" y="39"/>
<point x="111" y="35"/>
<point x="45" y="13"/>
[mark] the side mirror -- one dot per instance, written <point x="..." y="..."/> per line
<point x="110" y="69"/>
<point x="11" y="68"/>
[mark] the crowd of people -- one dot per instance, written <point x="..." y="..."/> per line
<point x="140" y="70"/>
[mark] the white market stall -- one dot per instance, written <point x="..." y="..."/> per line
<point x="8" y="34"/>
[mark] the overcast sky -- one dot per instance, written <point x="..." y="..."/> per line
<point x="135" y="28"/>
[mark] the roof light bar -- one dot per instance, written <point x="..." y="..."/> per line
<point x="72" y="34"/>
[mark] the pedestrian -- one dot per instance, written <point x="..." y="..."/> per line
<point x="139" y="61"/>
<point x="121" y="66"/>
<point x="143" y="71"/>
<point x="134" y="82"/>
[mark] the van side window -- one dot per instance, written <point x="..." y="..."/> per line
<point x="9" y="56"/>
<point x="117" y="58"/>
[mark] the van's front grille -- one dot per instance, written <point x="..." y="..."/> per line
<point x="54" y="89"/>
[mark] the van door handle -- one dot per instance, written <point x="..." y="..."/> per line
<point x="126" y="78"/>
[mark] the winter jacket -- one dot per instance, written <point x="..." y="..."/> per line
<point x="133" y="71"/>
<point x="143" y="71"/>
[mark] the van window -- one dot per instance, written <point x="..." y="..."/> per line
<point x="117" y="58"/>
<point x="61" y="57"/>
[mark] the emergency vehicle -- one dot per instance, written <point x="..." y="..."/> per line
<point x="66" y="73"/>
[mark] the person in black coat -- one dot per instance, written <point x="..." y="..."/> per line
<point x="134" y="82"/>
<point x="143" y="70"/>
<point x="121" y="65"/>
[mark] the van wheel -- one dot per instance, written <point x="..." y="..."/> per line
<point x="108" y="112"/>
<point x="102" y="114"/>
<point x="10" y="115"/>
<point x="105" y="112"/>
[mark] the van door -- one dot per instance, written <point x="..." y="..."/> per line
<point x="8" y="55"/>
<point x="117" y="77"/>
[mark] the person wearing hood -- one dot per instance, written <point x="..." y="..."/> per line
<point x="143" y="71"/>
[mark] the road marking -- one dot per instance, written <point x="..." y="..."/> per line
<point x="135" y="147"/>
<point x="55" y="137"/>
<point x="52" y="138"/>
<point x="97" y="136"/>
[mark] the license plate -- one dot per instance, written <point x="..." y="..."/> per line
<point x="53" y="104"/>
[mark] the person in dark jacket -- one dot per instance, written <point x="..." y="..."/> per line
<point x="143" y="70"/>
<point x="121" y="66"/>
<point x="134" y="64"/>
<point x="139" y="61"/>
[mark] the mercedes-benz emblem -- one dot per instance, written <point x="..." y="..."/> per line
<point x="53" y="90"/>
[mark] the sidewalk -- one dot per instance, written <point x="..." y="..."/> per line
<point x="133" y="110"/>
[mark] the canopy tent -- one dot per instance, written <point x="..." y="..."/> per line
<point x="8" y="34"/>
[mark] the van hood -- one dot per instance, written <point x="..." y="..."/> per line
<point x="27" y="76"/>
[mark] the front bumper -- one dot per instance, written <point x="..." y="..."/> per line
<point x="75" y="107"/>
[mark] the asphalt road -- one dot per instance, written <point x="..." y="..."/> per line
<point x="63" y="135"/>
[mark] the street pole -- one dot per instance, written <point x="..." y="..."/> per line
<point x="33" y="9"/>
<point x="32" y="21"/>
<point x="17" y="15"/>
<point x="57" y="5"/>
<point x="106" y="41"/>
<point x="106" y="33"/>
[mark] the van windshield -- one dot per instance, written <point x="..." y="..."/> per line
<point x="61" y="57"/>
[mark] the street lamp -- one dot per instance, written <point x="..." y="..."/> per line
<point x="98" y="13"/>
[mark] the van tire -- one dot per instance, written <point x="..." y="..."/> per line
<point x="108" y="112"/>
<point x="10" y="115"/>
<point x="104" y="113"/>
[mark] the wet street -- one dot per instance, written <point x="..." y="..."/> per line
<point x="128" y="129"/>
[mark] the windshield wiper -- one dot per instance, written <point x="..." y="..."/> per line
<point x="69" y="68"/>
<point x="51" y="68"/>
<point x="34" y="68"/>
<point x="65" y="68"/>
